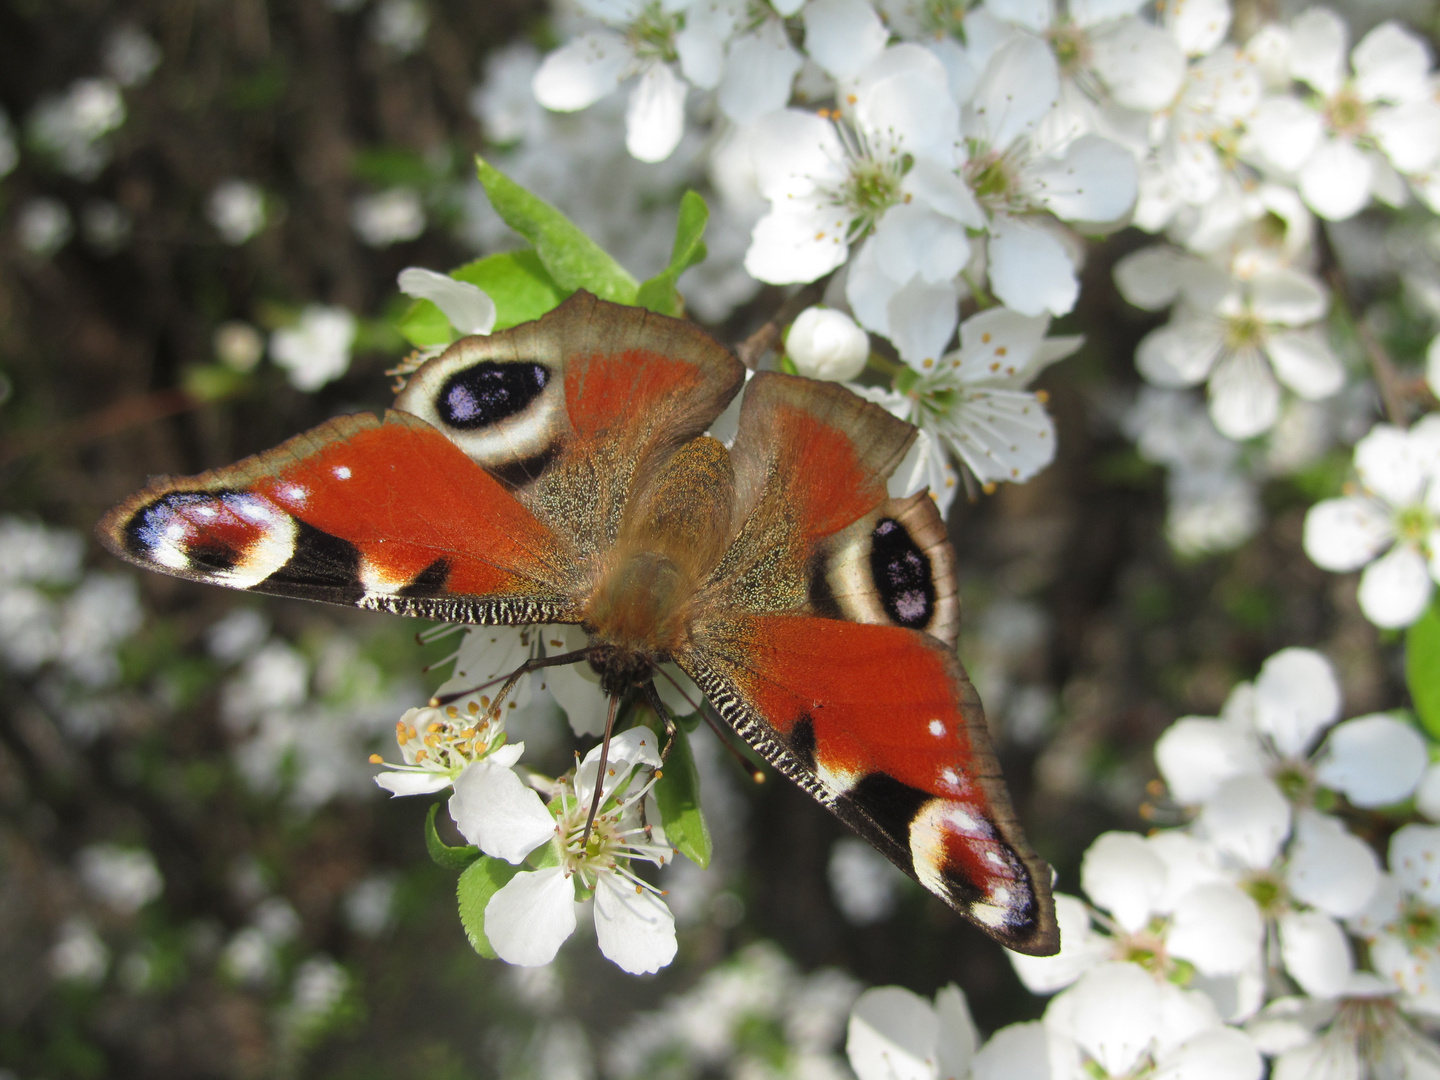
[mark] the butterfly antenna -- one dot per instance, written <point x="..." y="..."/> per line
<point x="535" y="663"/>
<point x="600" y="773"/>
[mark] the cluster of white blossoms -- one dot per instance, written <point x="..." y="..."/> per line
<point x="1264" y="928"/>
<point x="929" y="159"/>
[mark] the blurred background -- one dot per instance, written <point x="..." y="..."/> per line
<point x="203" y="209"/>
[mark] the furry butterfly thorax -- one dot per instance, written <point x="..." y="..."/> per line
<point x="559" y="472"/>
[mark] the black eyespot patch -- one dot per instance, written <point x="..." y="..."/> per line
<point x="902" y="575"/>
<point x="489" y="392"/>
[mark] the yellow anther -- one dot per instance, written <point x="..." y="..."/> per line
<point x="376" y="759"/>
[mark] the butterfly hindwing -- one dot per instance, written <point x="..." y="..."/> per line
<point x="384" y="514"/>
<point x="828" y="645"/>
<point x="881" y="725"/>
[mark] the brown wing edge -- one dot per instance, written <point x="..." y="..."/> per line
<point x="1040" y="938"/>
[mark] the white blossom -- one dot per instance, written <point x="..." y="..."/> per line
<point x="1390" y="526"/>
<point x="316" y="350"/>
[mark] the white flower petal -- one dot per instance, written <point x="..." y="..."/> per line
<point x="1374" y="760"/>
<point x="1284" y="132"/>
<point x="580" y="73"/>
<point x="701" y="53"/>
<point x="909" y="109"/>
<point x="1002" y="435"/>
<point x="1393" y="465"/>
<point x="1391" y="64"/>
<point x="1414" y="860"/>
<point x="912" y="239"/>
<point x="1395" y="588"/>
<point x="1316" y="952"/>
<point x="797" y="243"/>
<point x="1199" y="25"/>
<point x="1289" y="297"/>
<point x="1409" y="134"/>
<point x="530" y="916"/>
<point x="758" y="74"/>
<point x="1427" y="792"/>
<point x="922" y="318"/>
<point x="633" y="926"/>
<point x="1317" y="49"/>
<point x="795" y="153"/>
<point x="1020" y="85"/>
<point x="1336" y="181"/>
<point x="469" y="309"/>
<point x="1113" y="1012"/>
<point x="1030" y="270"/>
<point x="941" y="189"/>
<point x="1122" y="875"/>
<point x="655" y="116"/>
<point x="1305" y="363"/>
<point x="576" y="689"/>
<point x="1182" y="352"/>
<point x="1344" y="534"/>
<point x="1094" y="180"/>
<point x="1296" y="697"/>
<point x="1220" y="1053"/>
<point x="892" y="1035"/>
<point x="1032" y="1051"/>
<point x="498" y="813"/>
<point x="957" y="1038"/>
<point x="1140" y="64"/>
<point x="842" y="36"/>
<point x="1218" y="928"/>
<point x="1196" y="755"/>
<point x="1248" y="818"/>
<point x="1244" y="397"/>
<point x="414" y="783"/>
<point x="1330" y="868"/>
<point x="1034" y="15"/>
<point x="631" y="747"/>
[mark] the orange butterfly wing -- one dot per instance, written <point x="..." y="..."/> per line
<point x="484" y="497"/>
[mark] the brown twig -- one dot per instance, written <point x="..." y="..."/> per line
<point x="1387" y="377"/>
<point x="753" y="349"/>
<point x="102" y="423"/>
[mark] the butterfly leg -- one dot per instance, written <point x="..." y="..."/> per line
<point x="653" y="697"/>
<point x="600" y="772"/>
<point x="535" y="663"/>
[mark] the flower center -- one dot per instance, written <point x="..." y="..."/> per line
<point x="993" y="177"/>
<point x="872" y="181"/>
<point x="1413" y="524"/>
<point x="1419" y="925"/>
<point x="1244" y="331"/>
<point x="1296" y="782"/>
<point x="1268" y="891"/>
<point x="1346" y="114"/>
<point x="944" y="18"/>
<point x="1071" y="48"/>
<point x="652" y="34"/>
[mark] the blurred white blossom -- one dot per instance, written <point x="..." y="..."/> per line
<point x="316" y="350"/>
<point x="236" y="208"/>
<point x="388" y="217"/>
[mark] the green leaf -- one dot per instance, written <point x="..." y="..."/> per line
<point x="573" y="260"/>
<point x="1422" y="669"/>
<point x="441" y="853"/>
<point x="659" y="294"/>
<point x="481" y="880"/>
<point x="677" y="793"/>
<point x="518" y="283"/>
<point x="424" y="325"/>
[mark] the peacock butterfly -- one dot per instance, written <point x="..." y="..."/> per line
<point x="558" y="472"/>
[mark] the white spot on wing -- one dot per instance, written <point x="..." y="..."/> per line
<point x="937" y="728"/>
<point x="342" y="472"/>
<point x="836" y="781"/>
<point x="296" y="494"/>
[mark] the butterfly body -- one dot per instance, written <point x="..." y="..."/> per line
<point x="559" y="472"/>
